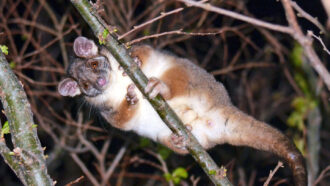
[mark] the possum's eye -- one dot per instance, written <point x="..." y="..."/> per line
<point x="85" y="85"/>
<point x="94" y="64"/>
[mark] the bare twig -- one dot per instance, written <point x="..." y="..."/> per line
<point x="310" y="33"/>
<point x="178" y="32"/>
<point x="135" y="28"/>
<point x="114" y="164"/>
<point x="75" y="181"/>
<point x="242" y="66"/>
<point x="306" y="43"/>
<point x="84" y="169"/>
<point x="272" y="173"/>
<point x="304" y="14"/>
<point x="293" y="29"/>
<point x="323" y="174"/>
<point x="253" y="21"/>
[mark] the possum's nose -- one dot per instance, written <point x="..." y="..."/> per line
<point x="101" y="81"/>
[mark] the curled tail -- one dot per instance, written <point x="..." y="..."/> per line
<point x="244" y="130"/>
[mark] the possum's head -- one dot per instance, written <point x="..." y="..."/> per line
<point x="89" y="73"/>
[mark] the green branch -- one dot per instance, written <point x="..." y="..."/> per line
<point x="27" y="159"/>
<point x="118" y="50"/>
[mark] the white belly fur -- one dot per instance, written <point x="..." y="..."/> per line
<point x="207" y="128"/>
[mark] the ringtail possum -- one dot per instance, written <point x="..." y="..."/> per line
<point x="197" y="98"/>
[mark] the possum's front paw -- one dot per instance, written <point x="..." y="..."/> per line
<point x="175" y="143"/>
<point x="155" y="87"/>
<point x="131" y="97"/>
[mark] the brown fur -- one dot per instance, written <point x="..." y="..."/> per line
<point x="123" y="114"/>
<point x="142" y="52"/>
<point x="247" y="131"/>
<point x="177" y="80"/>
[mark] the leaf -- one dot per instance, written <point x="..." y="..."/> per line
<point x="146" y="32"/>
<point x="104" y="35"/>
<point x="302" y="83"/>
<point x="12" y="64"/>
<point x="164" y="151"/>
<point x="5" y="129"/>
<point x="180" y="172"/>
<point x="176" y="176"/>
<point x="176" y="180"/>
<point x="144" y="142"/>
<point x="4" y="49"/>
<point x="300" y="104"/>
<point x="300" y="144"/>
<point x="297" y="55"/>
<point x="212" y="172"/>
<point x="168" y="177"/>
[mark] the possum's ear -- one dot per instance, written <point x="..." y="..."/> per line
<point x="84" y="47"/>
<point x="68" y="87"/>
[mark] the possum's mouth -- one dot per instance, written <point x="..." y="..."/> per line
<point x="95" y="87"/>
<point x="101" y="81"/>
<point x="101" y="84"/>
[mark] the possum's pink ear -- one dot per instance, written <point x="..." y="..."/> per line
<point x="84" y="47"/>
<point x="68" y="87"/>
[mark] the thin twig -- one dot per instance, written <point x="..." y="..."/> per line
<point x="178" y="32"/>
<point x="242" y="66"/>
<point x="75" y="181"/>
<point x="135" y="28"/>
<point x="306" y="43"/>
<point x="310" y="33"/>
<point x="253" y="21"/>
<point x="114" y="164"/>
<point x="272" y="173"/>
<point x="322" y="175"/>
<point x="84" y="169"/>
<point x="304" y="14"/>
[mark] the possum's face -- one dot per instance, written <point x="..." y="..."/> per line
<point x="89" y="73"/>
<point x="89" y="77"/>
<point x="92" y="75"/>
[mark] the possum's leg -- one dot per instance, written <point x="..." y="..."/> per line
<point x="175" y="143"/>
<point x="156" y="86"/>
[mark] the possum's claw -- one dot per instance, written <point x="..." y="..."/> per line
<point x="155" y="87"/>
<point x="131" y="97"/>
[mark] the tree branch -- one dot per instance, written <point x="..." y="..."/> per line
<point x="119" y="51"/>
<point x="293" y="29"/>
<point x="251" y="20"/>
<point x="306" y="42"/>
<point x="27" y="159"/>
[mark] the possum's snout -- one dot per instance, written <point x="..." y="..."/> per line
<point x="101" y="81"/>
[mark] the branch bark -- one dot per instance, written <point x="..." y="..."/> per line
<point x="118" y="50"/>
<point x="27" y="159"/>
